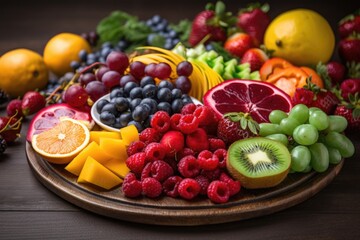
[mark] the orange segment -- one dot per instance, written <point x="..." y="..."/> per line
<point x="63" y="142"/>
<point x="315" y="78"/>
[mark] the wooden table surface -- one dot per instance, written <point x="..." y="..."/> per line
<point x="28" y="210"/>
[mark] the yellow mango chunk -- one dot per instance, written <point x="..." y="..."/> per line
<point x="95" y="173"/>
<point x="129" y="134"/>
<point x="118" y="167"/>
<point x="93" y="150"/>
<point x="96" y="135"/>
<point x="114" y="147"/>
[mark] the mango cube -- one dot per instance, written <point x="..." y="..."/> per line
<point x="96" y="135"/>
<point x="114" y="147"/>
<point x="129" y="134"/>
<point x="93" y="150"/>
<point x="118" y="167"/>
<point x="95" y="173"/>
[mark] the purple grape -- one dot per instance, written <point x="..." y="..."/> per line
<point x="96" y="90"/>
<point x="184" y="68"/>
<point x="117" y="61"/>
<point x="85" y="78"/>
<point x="137" y="69"/>
<point x="76" y="96"/>
<point x="163" y="70"/>
<point x="183" y="83"/>
<point x="111" y="79"/>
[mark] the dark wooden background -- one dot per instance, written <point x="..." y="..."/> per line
<point x="30" y="211"/>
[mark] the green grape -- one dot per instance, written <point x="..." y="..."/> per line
<point x="341" y="143"/>
<point x="300" y="112"/>
<point x="319" y="157"/>
<point x="305" y="134"/>
<point x="337" y="123"/>
<point x="319" y="119"/>
<point x="287" y="125"/>
<point x="307" y="169"/>
<point x="300" y="158"/>
<point x="276" y="116"/>
<point x="268" y="128"/>
<point x="313" y="109"/>
<point x="279" y="137"/>
<point x="334" y="155"/>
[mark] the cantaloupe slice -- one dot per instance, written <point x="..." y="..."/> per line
<point x="118" y="167"/>
<point x="114" y="147"/>
<point x="93" y="150"/>
<point x="95" y="173"/>
<point x="96" y="135"/>
<point x="129" y="134"/>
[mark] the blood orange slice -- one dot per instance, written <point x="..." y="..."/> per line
<point x="50" y="116"/>
<point x="247" y="96"/>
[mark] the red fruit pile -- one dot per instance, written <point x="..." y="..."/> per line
<point x="178" y="156"/>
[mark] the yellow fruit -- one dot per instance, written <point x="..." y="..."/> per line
<point x="301" y="36"/>
<point x="96" y="135"/>
<point x="22" y="70"/>
<point x="114" y="147"/>
<point x="63" y="142"/>
<point x="95" y="173"/>
<point x="62" y="49"/>
<point x="129" y="134"/>
<point x="117" y="166"/>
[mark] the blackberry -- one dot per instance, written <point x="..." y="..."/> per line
<point x="3" y="144"/>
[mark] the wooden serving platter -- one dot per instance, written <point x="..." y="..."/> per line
<point x="295" y="189"/>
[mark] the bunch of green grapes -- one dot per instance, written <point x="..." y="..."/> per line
<point x="314" y="139"/>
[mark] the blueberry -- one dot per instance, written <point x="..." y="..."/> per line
<point x="121" y="104"/>
<point x="125" y="79"/>
<point x="107" y="118"/>
<point x="107" y="44"/>
<point x="141" y="112"/>
<point x="186" y="99"/>
<point x="109" y="107"/>
<point x="117" y="124"/>
<point x="166" y="84"/>
<point x="136" y="92"/>
<point x="75" y="65"/>
<point x="151" y="102"/>
<point x="125" y="118"/>
<point x="101" y="104"/>
<point x="164" y="106"/>
<point x="177" y="105"/>
<point x="116" y="92"/>
<point x="147" y="80"/>
<point x="164" y="95"/>
<point x="83" y="55"/>
<point x="137" y="125"/>
<point x="122" y="45"/>
<point x="105" y="52"/>
<point x="176" y="93"/>
<point x="129" y="86"/>
<point x="134" y="103"/>
<point x="149" y="91"/>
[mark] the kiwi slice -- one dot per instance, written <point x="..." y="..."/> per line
<point x="258" y="162"/>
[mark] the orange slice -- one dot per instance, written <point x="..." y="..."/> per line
<point x="63" y="142"/>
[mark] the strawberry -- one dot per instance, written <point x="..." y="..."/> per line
<point x="333" y="73"/>
<point x="235" y="126"/>
<point x="14" y="108"/>
<point x="210" y="24"/>
<point x="254" y="20"/>
<point x="256" y="57"/>
<point x="349" y="48"/>
<point x="10" y="128"/>
<point x="351" y="111"/>
<point x="32" y="102"/>
<point x="349" y="86"/>
<point x="349" y="24"/>
<point x="173" y="141"/>
<point x="238" y="43"/>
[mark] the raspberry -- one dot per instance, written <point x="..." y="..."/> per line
<point x="188" y="109"/>
<point x="189" y="188"/>
<point x="188" y="166"/>
<point x="234" y="185"/>
<point x="174" y="121"/>
<point x="151" y="187"/>
<point x="204" y="114"/>
<point x="135" y="147"/>
<point x="197" y="140"/>
<point x="211" y="174"/>
<point x="216" y="143"/>
<point x="161" y="170"/>
<point x="185" y="152"/>
<point x="149" y="135"/>
<point x="171" y="185"/>
<point x="188" y="123"/>
<point x="136" y="162"/>
<point x="131" y="187"/>
<point x="221" y="154"/>
<point x="146" y="172"/>
<point x="218" y="192"/>
<point x="154" y="151"/>
<point x="160" y="121"/>
<point x="204" y="183"/>
<point x="207" y="160"/>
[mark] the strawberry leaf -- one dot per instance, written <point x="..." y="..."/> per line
<point x="243" y="123"/>
<point x="253" y="127"/>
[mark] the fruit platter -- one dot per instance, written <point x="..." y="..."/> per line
<point x="219" y="118"/>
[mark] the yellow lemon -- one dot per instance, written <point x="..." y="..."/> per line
<point x="62" y="49"/>
<point x="301" y="36"/>
<point x="22" y="70"/>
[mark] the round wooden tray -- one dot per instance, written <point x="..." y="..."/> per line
<point x="295" y="189"/>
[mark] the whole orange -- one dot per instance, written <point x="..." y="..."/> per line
<point x="62" y="49"/>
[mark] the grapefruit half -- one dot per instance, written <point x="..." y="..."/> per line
<point x="247" y="96"/>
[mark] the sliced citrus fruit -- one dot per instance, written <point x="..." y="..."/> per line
<point x="63" y="142"/>
<point x="247" y="96"/>
<point x="49" y="116"/>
